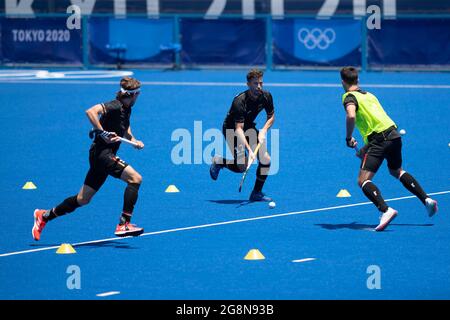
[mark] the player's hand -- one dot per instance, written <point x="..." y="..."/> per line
<point x="139" y="145"/>
<point x="262" y="136"/>
<point x="251" y="156"/>
<point x="109" y="137"/>
<point x="351" y="143"/>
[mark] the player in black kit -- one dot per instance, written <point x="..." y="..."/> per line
<point x="242" y="136"/>
<point x="115" y="121"/>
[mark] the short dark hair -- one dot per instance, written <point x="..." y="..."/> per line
<point x="349" y="75"/>
<point x="254" y="74"/>
<point x="128" y="83"/>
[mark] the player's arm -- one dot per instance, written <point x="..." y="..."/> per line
<point x="93" y="114"/>
<point x="270" y="118"/>
<point x="269" y="122"/>
<point x="239" y="120"/>
<point x="350" y="109"/>
<point x="239" y="131"/>
<point x="129" y="136"/>
<point x="263" y="132"/>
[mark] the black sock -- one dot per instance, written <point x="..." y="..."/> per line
<point x="235" y="165"/>
<point x="261" y="176"/>
<point x="373" y="193"/>
<point x="67" y="206"/>
<point x="125" y="217"/>
<point x="413" y="186"/>
<point x="129" y="200"/>
<point x="49" y="215"/>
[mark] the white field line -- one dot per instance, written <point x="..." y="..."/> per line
<point x="219" y="224"/>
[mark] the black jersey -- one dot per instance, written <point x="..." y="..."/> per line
<point x="115" y="118"/>
<point x="245" y="109"/>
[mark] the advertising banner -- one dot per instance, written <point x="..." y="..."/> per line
<point x="311" y="42"/>
<point x="40" y="40"/>
<point x="410" y="42"/>
<point x="136" y="40"/>
<point x="223" y="42"/>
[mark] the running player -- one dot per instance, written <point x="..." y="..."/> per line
<point x="382" y="141"/>
<point x="242" y="136"/>
<point x="115" y="122"/>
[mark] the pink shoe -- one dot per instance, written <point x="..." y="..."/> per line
<point x="39" y="224"/>
<point x="128" y="229"/>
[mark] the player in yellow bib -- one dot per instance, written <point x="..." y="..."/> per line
<point x="382" y="141"/>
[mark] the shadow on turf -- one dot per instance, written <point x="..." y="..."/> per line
<point x="228" y="201"/>
<point x="366" y="227"/>
<point x="240" y="203"/>
<point x="107" y="244"/>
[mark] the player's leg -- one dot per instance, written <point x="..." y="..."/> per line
<point x="92" y="183"/>
<point x="370" y="164"/>
<point x="240" y="159"/>
<point x="239" y="162"/>
<point x="70" y="204"/>
<point x="394" y="160"/>
<point x="261" y="173"/>
<point x="133" y="179"/>
<point x="370" y="190"/>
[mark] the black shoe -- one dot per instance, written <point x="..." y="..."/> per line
<point x="259" y="196"/>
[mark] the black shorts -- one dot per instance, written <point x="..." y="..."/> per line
<point x="232" y="141"/>
<point x="377" y="151"/>
<point x="103" y="162"/>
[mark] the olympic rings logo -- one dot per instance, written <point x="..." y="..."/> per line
<point x="316" y="38"/>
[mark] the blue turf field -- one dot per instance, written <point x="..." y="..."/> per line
<point x="45" y="141"/>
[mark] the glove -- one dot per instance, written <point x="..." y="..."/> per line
<point x="94" y="132"/>
<point x="105" y="135"/>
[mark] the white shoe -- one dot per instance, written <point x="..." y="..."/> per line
<point x="386" y="218"/>
<point x="431" y="206"/>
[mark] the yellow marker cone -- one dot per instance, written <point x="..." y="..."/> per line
<point x="343" y="193"/>
<point x="254" y="254"/>
<point x="65" y="248"/>
<point x="29" y="186"/>
<point x="172" y="189"/>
